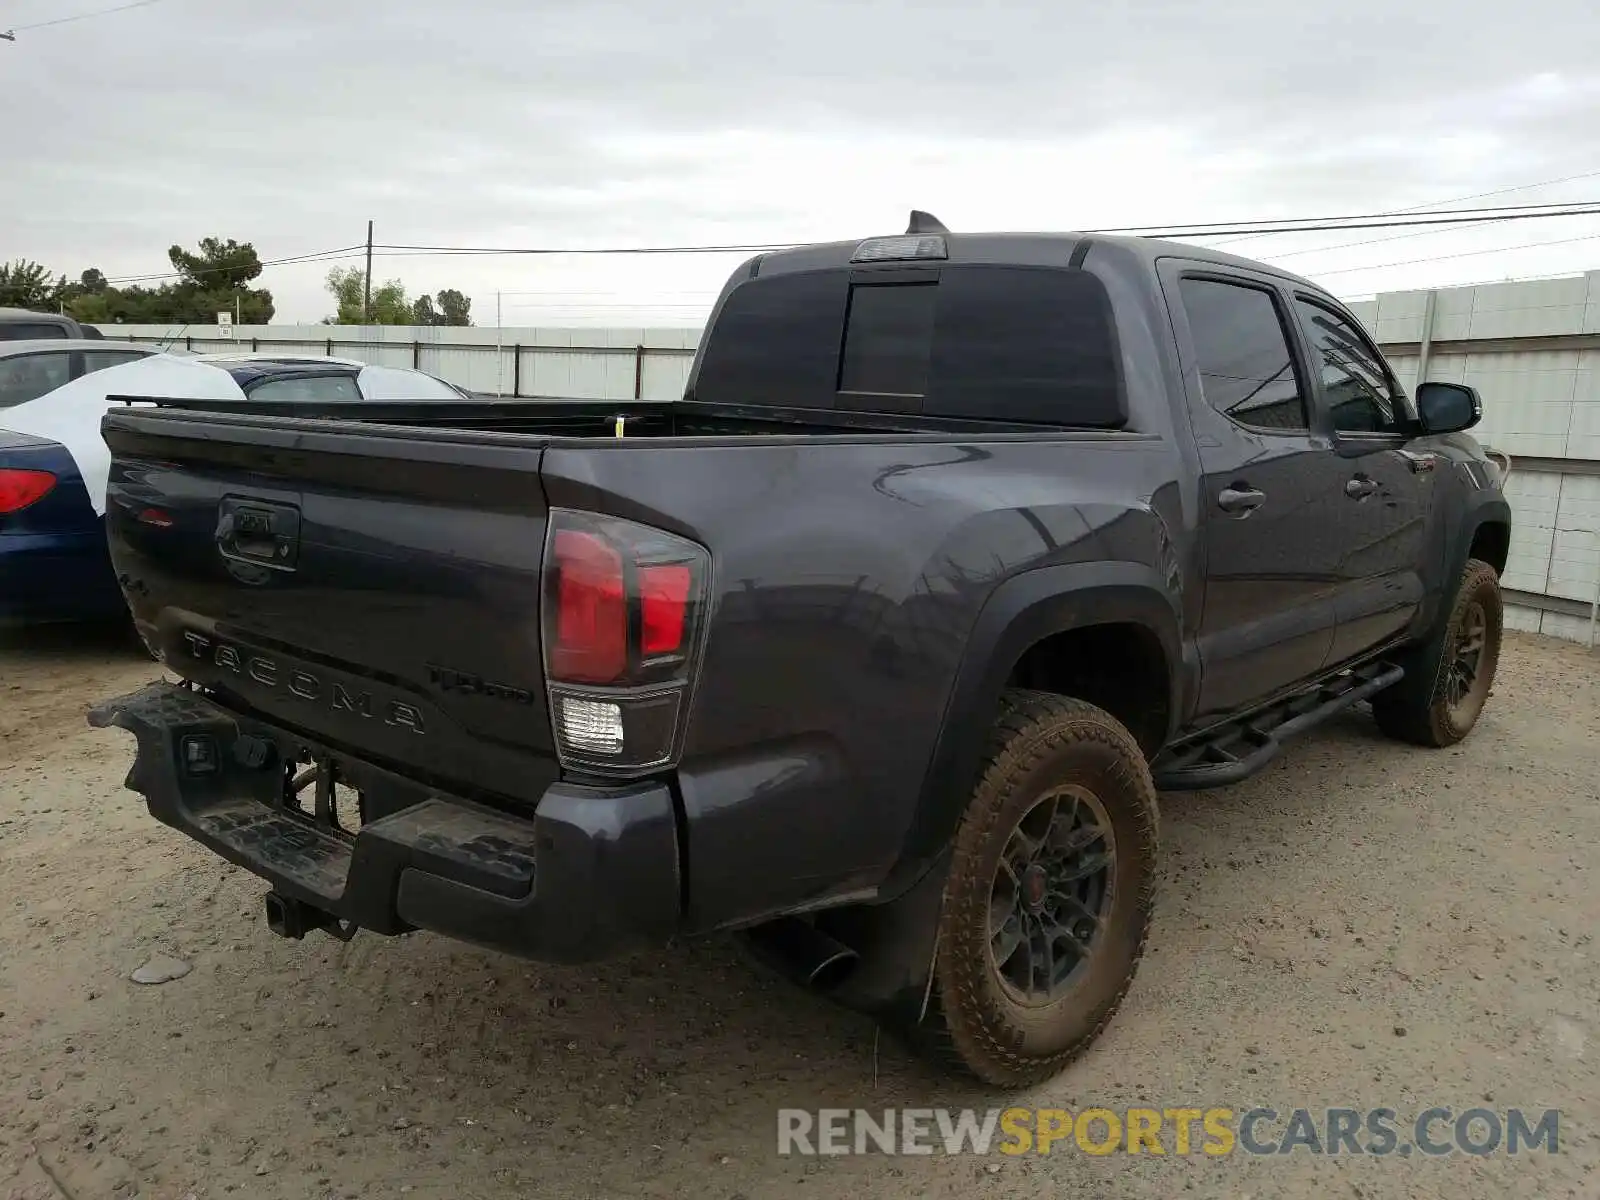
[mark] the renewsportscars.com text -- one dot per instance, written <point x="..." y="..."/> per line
<point x="1214" y="1131"/>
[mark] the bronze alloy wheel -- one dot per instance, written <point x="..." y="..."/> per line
<point x="1053" y="886"/>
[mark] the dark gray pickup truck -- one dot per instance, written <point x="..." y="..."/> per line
<point x="876" y="646"/>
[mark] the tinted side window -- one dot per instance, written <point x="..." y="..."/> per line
<point x="313" y="388"/>
<point x="24" y="331"/>
<point x="1359" y="392"/>
<point x="99" y="360"/>
<point x="25" y="377"/>
<point x="1247" y="370"/>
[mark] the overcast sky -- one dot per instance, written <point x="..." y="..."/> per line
<point x="491" y="122"/>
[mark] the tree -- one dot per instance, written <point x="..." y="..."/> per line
<point x="347" y="286"/>
<point x="454" y="308"/>
<point x="212" y="281"/>
<point x="25" y="284"/>
<point x="220" y="266"/>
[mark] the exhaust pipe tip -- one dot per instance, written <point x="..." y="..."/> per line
<point x="802" y="952"/>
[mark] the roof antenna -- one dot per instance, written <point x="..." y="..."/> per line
<point x="922" y="222"/>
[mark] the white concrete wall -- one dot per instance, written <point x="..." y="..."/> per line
<point x="555" y="362"/>
<point x="1538" y="401"/>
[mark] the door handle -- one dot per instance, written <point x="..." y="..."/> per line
<point x="1240" y="501"/>
<point x="1360" y="487"/>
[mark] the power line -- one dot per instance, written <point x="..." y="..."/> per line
<point x="317" y="256"/>
<point x="103" y="12"/>
<point x="394" y="250"/>
<point x="1359" y="221"/>
<point x="1581" y="208"/>
<point x="1439" y="218"/>
<point x="1588" y="237"/>
<point x="1395" y="212"/>
<point x="1275" y="257"/>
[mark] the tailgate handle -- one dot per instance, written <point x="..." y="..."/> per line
<point x="259" y="532"/>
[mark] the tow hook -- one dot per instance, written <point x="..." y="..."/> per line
<point x="292" y="918"/>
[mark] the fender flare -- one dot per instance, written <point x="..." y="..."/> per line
<point x="1493" y="510"/>
<point x="1022" y="611"/>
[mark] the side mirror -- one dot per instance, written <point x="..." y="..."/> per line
<point x="1448" y="407"/>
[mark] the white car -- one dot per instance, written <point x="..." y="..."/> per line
<point x="70" y="414"/>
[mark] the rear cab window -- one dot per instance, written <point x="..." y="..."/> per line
<point x="956" y="340"/>
<point x="307" y="387"/>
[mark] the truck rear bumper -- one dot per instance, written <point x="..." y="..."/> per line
<point x="591" y="872"/>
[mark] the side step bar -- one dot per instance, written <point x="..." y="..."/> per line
<point x="1238" y="749"/>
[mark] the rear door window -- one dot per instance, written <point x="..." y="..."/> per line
<point x="1247" y="370"/>
<point x="99" y="360"/>
<point x="25" y="377"/>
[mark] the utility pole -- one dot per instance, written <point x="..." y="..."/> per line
<point x="366" y="301"/>
<point x="499" y="350"/>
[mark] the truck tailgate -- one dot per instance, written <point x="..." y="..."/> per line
<point x="376" y="585"/>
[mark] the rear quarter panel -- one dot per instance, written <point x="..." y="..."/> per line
<point x="847" y="577"/>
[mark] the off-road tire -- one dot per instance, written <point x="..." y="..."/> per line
<point x="1040" y="743"/>
<point x="1420" y="709"/>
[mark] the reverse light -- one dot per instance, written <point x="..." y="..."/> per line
<point x="592" y="725"/>
<point x="623" y="619"/>
<point x="20" y="488"/>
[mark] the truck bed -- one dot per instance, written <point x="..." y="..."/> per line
<point x="405" y="631"/>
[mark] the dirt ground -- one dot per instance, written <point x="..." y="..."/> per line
<point x="1362" y="925"/>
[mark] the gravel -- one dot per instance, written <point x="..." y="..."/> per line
<point x="1363" y="924"/>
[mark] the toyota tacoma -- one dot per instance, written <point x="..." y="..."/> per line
<point x="876" y="646"/>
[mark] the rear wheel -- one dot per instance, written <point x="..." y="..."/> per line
<point x="1453" y="675"/>
<point x="1050" y="891"/>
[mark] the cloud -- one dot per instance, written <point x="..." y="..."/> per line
<point x="493" y="122"/>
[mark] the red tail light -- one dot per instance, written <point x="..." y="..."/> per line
<point x="624" y="610"/>
<point x="663" y="600"/>
<point x="20" y="488"/>
<point x="591" y="625"/>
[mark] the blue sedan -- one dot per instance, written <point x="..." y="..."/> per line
<point x="53" y="562"/>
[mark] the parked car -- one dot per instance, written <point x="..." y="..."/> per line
<point x="23" y="324"/>
<point x="54" y="563"/>
<point x="877" y="646"/>
<point x="53" y="559"/>
<point x="31" y="367"/>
